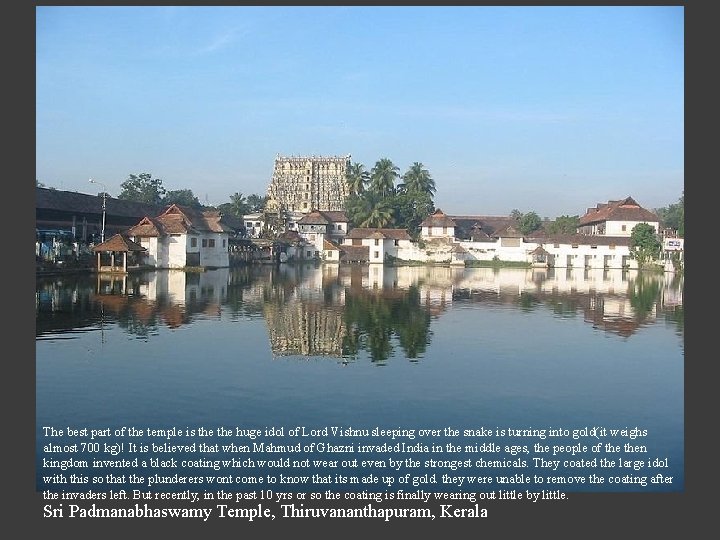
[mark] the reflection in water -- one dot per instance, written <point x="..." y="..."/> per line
<point x="380" y="320"/>
<point x="340" y="311"/>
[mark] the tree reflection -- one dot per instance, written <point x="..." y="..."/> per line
<point x="644" y="295"/>
<point x="346" y="313"/>
<point x="378" y="322"/>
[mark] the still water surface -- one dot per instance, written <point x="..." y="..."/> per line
<point x="362" y="346"/>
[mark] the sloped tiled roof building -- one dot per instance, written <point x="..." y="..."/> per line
<point x="616" y="218"/>
<point x="56" y="209"/>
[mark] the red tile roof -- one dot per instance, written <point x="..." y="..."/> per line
<point x="335" y="216"/>
<point x="623" y="210"/>
<point x="118" y="243"/>
<point x="313" y="218"/>
<point x="323" y="217"/>
<point x="438" y="219"/>
<point x="178" y="219"/>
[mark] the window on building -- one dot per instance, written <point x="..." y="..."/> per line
<point x="593" y="247"/>
<point x="193" y="242"/>
<point x="211" y="242"/>
<point x="248" y="224"/>
<point x="376" y="254"/>
<point x="556" y="246"/>
<point x="204" y="242"/>
<point x="317" y="253"/>
<point x="257" y="223"/>
<point x="309" y="254"/>
<point x="397" y="242"/>
<point x="444" y="231"/>
<point x="574" y="246"/>
<point x="377" y="241"/>
<point x="224" y="242"/>
<point x="624" y="228"/>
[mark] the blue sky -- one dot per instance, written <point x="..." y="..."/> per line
<point x="534" y="108"/>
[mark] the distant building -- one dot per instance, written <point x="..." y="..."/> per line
<point x="303" y="184"/>
<point x="80" y="216"/>
<point x="182" y="237"/>
<point x="318" y="226"/>
<point x="376" y="243"/>
<point x="616" y="218"/>
<point x="437" y="224"/>
<point x="254" y="224"/>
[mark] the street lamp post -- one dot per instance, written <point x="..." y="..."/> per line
<point x="102" y="231"/>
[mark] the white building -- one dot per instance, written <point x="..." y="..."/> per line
<point x="602" y="239"/>
<point x="380" y="243"/>
<point x="182" y="237"/>
<point x="254" y="223"/>
<point x="616" y="218"/>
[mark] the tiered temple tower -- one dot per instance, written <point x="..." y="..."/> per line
<point x="303" y="184"/>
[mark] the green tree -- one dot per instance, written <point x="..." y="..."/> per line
<point x="529" y="222"/>
<point x="673" y="216"/>
<point x="516" y="214"/>
<point x="357" y="178"/>
<point x="381" y="215"/>
<point x="142" y="188"/>
<point x="370" y="210"/>
<point x="183" y="197"/>
<point x="256" y="202"/>
<point x="411" y="209"/>
<point x="239" y="205"/>
<point x="563" y="225"/>
<point x="644" y="244"/>
<point x="357" y="208"/>
<point x="383" y="177"/>
<point x="418" y="180"/>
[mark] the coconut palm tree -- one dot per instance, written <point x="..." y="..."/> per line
<point x="381" y="213"/>
<point x="417" y="179"/>
<point x="383" y="176"/>
<point x="239" y="204"/>
<point x="357" y="178"/>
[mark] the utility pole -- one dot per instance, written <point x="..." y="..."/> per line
<point x="102" y="231"/>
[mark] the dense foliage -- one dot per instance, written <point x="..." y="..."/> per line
<point x="644" y="244"/>
<point x="563" y="225"/>
<point x="183" y="197"/>
<point x="382" y="197"/>
<point x="142" y="188"/>
<point x="673" y="216"/>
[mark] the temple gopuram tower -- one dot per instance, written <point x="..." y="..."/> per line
<point x="303" y="184"/>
